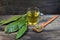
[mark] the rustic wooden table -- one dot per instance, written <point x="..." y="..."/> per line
<point x="50" y="32"/>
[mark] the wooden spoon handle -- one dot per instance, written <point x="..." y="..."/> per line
<point x="49" y="21"/>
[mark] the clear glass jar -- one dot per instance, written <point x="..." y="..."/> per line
<point x="33" y="15"/>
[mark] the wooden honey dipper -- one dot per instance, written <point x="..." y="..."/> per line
<point x="43" y="25"/>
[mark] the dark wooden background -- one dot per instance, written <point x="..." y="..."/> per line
<point x="20" y="6"/>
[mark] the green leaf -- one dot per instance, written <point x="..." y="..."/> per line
<point x="22" y="21"/>
<point x="12" y="27"/>
<point x="21" y="31"/>
<point x="14" y="18"/>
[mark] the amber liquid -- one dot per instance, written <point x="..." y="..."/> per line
<point x="32" y="18"/>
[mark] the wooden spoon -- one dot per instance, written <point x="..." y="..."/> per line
<point x="43" y="25"/>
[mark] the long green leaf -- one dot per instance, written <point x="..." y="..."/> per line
<point x="12" y="27"/>
<point x="21" y="31"/>
<point x="10" y="19"/>
<point x="22" y="21"/>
